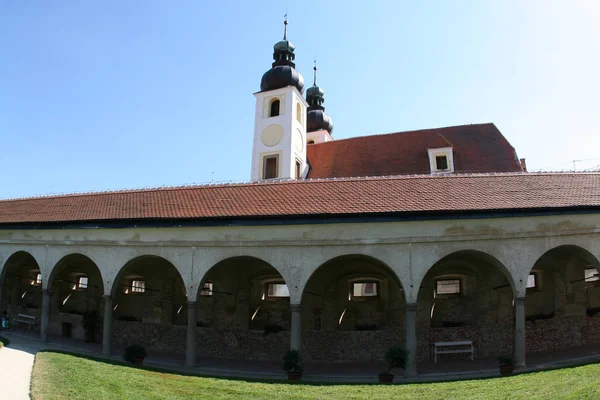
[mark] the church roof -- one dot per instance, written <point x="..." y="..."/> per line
<point x="396" y="195"/>
<point x="476" y="148"/>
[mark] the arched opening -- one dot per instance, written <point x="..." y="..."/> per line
<point x="150" y="306"/>
<point x="311" y="142"/>
<point x="466" y="296"/>
<point x="274" y="108"/>
<point x="299" y="113"/>
<point x="21" y="282"/>
<point x="76" y="291"/>
<point x="243" y="309"/>
<point x="562" y="306"/>
<point x="353" y="309"/>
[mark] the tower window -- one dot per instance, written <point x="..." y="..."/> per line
<point x="270" y="167"/>
<point x="299" y="112"/>
<point x="441" y="163"/>
<point x="274" y="111"/>
<point x="311" y="142"/>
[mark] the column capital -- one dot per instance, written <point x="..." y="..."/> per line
<point x="411" y="307"/>
<point x="295" y="307"/>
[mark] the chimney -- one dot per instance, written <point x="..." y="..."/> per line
<point x="523" y="164"/>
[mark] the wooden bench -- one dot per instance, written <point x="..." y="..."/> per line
<point x="25" y="319"/>
<point x="439" y="348"/>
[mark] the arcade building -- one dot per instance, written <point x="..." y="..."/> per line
<point x="337" y="248"/>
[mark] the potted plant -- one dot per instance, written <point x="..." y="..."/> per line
<point x="90" y="321"/>
<point x="507" y="365"/>
<point x="292" y="364"/>
<point x="135" y="354"/>
<point x="396" y="357"/>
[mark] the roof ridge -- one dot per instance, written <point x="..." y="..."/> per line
<point x="401" y="132"/>
<point x="303" y="181"/>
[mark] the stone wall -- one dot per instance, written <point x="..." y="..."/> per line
<point x="354" y="346"/>
<point x="210" y="342"/>
<point x="562" y="332"/>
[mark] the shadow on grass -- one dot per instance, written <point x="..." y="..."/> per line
<point x="284" y="381"/>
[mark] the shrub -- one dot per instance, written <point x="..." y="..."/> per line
<point x="134" y="351"/>
<point x="4" y="341"/>
<point x="292" y="361"/>
<point x="396" y="357"/>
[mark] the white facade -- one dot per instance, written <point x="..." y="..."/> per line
<point x="282" y="136"/>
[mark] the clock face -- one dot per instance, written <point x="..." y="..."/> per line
<point x="272" y="135"/>
<point x="299" y="139"/>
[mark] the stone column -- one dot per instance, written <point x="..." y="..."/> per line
<point x="45" y="315"/>
<point x="296" y="328"/>
<point x="520" y="331"/>
<point x="190" y="350"/>
<point x="411" y="340"/>
<point x="107" y="328"/>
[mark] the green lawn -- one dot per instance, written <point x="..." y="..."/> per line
<point x="63" y="376"/>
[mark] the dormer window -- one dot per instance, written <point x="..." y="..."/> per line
<point x="441" y="160"/>
<point x="441" y="163"/>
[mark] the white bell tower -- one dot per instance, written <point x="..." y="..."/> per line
<point x="279" y="148"/>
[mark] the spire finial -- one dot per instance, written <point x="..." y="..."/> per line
<point x="315" y="75"/>
<point x="285" y="23"/>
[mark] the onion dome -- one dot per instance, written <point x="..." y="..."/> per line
<point x="283" y="72"/>
<point x="317" y="119"/>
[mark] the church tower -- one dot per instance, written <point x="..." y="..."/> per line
<point x="279" y="149"/>
<point x="319" y="124"/>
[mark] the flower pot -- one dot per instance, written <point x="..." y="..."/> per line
<point x="506" y="369"/>
<point x="294" y="376"/>
<point x="386" y="378"/>
<point x="137" y="360"/>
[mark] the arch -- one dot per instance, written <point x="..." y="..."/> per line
<point x="82" y="261"/>
<point x="562" y="299"/>
<point x="474" y="255"/>
<point x="347" y="294"/>
<point x="21" y="283"/>
<point x="12" y="261"/>
<point x="274" y="108"/>
<point x="311" y="142"/>
<point x="299" y="112"/>
<point x="132" y="264"/>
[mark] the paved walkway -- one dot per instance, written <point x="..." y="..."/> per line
<point x="16" y="363"/>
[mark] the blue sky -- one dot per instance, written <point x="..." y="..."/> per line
<point x="127" y="94"/>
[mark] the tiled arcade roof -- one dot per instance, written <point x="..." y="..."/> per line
<point x="476" y="148"/>
<point x="333" y="197"/>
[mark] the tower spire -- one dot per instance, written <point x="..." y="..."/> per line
<point x="315" y="74"/>
<point x="285" y="23"/>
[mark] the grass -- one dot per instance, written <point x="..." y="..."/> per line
<point x="65" y="376"/>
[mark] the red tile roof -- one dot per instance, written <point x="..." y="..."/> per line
<point x="398" y="194"/>
<point x="476" y="148"/>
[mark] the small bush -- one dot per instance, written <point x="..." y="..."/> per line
<point x="134" y="351"/>
<point x="396" y="357"/>
<point x="292" y="361"/>
<point x="4" y="341"/>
